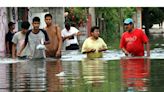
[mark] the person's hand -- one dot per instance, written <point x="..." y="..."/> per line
<point x="41" y="47"/>
<point x="92" y="50"/>
<point x="74" y="34"/>
<point x="13" y="56"/>
<point x="127" y="53"/>
<point x="148" y="54"/>
<point x="71" y="36"/>
<point x="8" y="54"/>
<point x="19" y="53"/>
<point x="58" y="54"/>
<point x="101" y="49"/>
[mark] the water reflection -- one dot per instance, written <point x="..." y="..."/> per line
<point x="72" y="74"/>
<point x="87" y="75"/>
<point x="4" y="77"/>
<point x="93" y="71"/>
<point x="62" y="75"/>
<point x="28" y="76"/>
<point x="135" y="74"/>
<point x="54" y="83"/>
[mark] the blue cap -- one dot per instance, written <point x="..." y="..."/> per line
<point x="128" y="21"/>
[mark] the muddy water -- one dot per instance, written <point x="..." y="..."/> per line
<point x="97" y="75"/>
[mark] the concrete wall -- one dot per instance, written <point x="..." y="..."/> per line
<point x="58" y="15"/>
<point x="13" y="13"/>
<point x="3" y="29"/>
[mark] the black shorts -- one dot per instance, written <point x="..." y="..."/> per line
<point x="23" y="57"/>
<point x="72" y="47"/>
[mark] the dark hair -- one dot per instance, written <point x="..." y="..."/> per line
<point x="128" y="23"/>
<point x="37" y="19"/>
<point x="10" y="24"/>
<point x="48" y="15"/>
<point x="67" y="26"/>
<point x="93" y="28"/>
<point x="25" y="25"/>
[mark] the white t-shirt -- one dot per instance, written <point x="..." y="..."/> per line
<point x="70" y="32"/>
<point x="19" y="39"/>
<point x="32" y="40"/>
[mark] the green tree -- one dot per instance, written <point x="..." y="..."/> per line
<point x="151" y="16"/>
<point x="75" y="15"/>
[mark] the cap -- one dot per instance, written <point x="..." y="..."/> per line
<point x="128" y="21"/>
<point x="10" y="24"/>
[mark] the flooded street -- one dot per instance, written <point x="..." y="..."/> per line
<point x="74" y="73"/>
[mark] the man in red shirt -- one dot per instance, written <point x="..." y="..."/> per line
<point x="133" y="40"/>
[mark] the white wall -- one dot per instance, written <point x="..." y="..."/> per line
<point x="14" y="17"/>
<point x="3" y="29"/>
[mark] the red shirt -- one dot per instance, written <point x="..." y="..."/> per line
<point x="134" y="41"/>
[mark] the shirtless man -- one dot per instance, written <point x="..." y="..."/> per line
<point x="53" y="31"/>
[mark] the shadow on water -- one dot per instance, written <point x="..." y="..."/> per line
<point x="87" y="75"/>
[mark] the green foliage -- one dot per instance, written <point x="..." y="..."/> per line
<point x="112" y="18"/>
<point x="150" y="16"/>
<point x="79" y="14"/>
<point x="154" y="15"/>
<point x="128" y="12"/>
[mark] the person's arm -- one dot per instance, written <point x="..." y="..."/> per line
<point x="13" y="51"/>
<point x="78" y="33"/>
<point x="102" y="49"/>
<point x="7" y="47"/>
<point x="89" y="51"/>
<point x="22" y="48"/>
<point x="24" y="44"/>
<point x="15" y="42"/>
<point x="123" y="45"/>
<point x="7" y="44"/>
<point x="68" y="37"/>
<point x="145" y="40"/>
<point x="125" y="51"/>
<point x="148" y="49"/>
<point x="47" y="41"/>
<point x="59" y="37"/>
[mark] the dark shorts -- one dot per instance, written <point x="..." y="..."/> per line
<point x="22" y="57"/>
<point x="72" y="47"/>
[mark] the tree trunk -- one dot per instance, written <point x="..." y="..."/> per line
<point x="92" y="13"/>
<point x="146" y="21"/>
<point x="147" y="31"/>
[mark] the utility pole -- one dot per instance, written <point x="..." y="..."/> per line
<point x="139" y="18"/>
<point x="121" y="21"/>
<point x="92" y="13"/>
